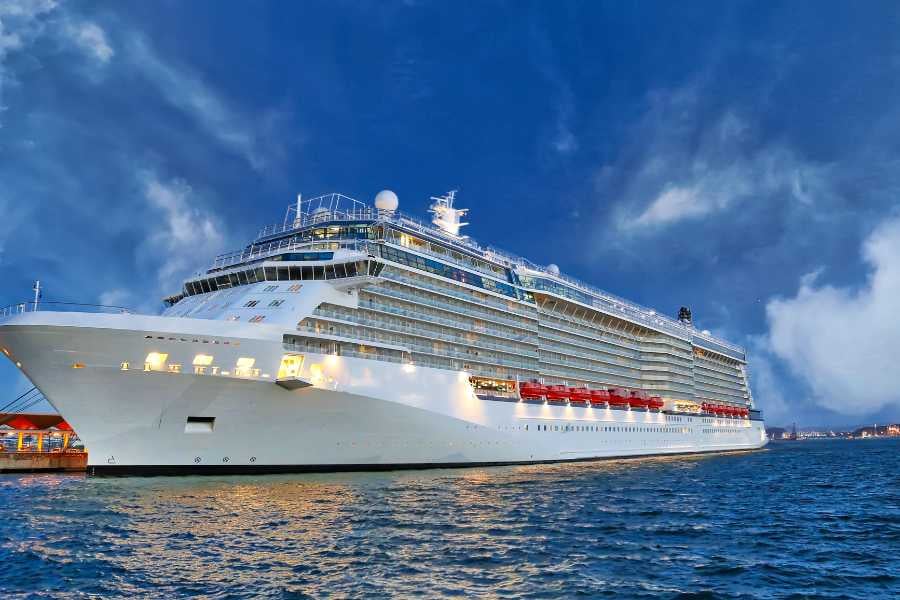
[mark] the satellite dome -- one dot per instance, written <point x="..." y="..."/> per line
<point x="386" y="200"/>
<point x="552" y="269"/>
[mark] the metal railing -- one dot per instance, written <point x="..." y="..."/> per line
<point x="258" y="251"/>
<point x="27" y="307"/>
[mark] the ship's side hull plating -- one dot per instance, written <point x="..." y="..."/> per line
<point x="356" y="414"/>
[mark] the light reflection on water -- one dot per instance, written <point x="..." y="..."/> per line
<point x="818" y="518"/>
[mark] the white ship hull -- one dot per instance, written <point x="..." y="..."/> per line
<point x="356" y="414"/>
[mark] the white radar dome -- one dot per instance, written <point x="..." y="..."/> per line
<point x="552" y="269"/>
<point x="386" y="200"/>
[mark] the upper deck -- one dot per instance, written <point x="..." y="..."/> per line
<point x="350" y="222"/>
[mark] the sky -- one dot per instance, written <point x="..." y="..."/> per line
<point x="740" y="158"/>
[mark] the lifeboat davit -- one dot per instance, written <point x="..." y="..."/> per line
<point x="655" y="402"/>
<point x="557" y="393"/>
<point x="580" y="395"/>
<point x="638" y="399"/>
<point x="618" y="397"/>
<point x="599" y="397"/>
<point x="531" y="390"/>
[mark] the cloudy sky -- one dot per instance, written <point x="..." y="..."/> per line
<point x="742" y="158"/>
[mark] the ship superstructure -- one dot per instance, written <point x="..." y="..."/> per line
<point x="351" y="308"/>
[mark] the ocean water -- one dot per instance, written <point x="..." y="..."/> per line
<point x="817" y="519"/>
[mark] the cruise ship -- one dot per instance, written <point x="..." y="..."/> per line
<point x="354" y="337"/>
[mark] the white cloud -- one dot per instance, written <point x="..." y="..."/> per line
<point x="91" y="38"/>
<point x="184" y="238"/>
<point x="115" y="297"/>
<point x="843" y="342"/>
<point x="20" y="22"/>
<point x="689" y="165"/>
<point x="189" y="93"/>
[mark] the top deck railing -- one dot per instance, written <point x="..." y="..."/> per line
<point x="340" y="208"/>
<point x="27" y="307"/>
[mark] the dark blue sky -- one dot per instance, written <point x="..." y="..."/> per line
<point x="740" y="157"/>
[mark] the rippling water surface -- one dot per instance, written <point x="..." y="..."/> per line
<point x="808" y="519"/>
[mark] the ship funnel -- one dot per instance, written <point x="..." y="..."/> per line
<point x="684" y="315"/>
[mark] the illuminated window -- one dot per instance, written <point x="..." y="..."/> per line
<point x="155" y="361"/>
<point x="203" y="360"/>
<point x="78" y="365"/>
<point x="245" y="363"/>
<point x="290" y="366"/>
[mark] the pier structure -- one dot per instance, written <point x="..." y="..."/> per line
<point x="38" y="442"/>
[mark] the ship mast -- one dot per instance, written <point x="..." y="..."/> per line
<point x="446" y="217"/>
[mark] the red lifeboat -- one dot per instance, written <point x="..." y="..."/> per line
<point x="655" y="402"/>
<point x="599" y="397"/>
<point x="638" y="399"/>
<point x="618" y="397"/>
<point x="557" y="393"/>
<point x="580" y="395"/>
<point x="745" y="412"/>
<point x="716" y="409"/>
<point x="531" y="390"/>
<point x="730" y="411"/>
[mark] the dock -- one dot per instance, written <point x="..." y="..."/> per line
<point x="33" y="443"/>
<point x="36" y="462"/>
